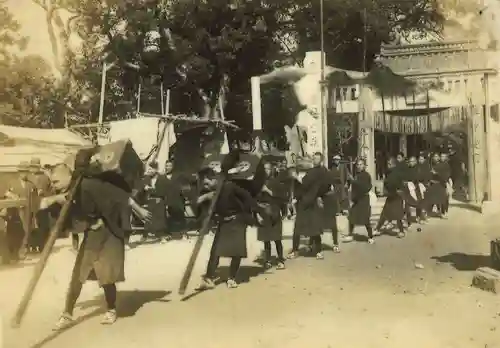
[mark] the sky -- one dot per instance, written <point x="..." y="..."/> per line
<point x="32" y="20"/>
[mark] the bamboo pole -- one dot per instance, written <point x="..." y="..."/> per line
<point x="199" y="242"/>
<point x="40" y="266"/>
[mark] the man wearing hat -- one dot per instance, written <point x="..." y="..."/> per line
<point x="43" y="216"/>
<point x="39" y="178"/>
<point x="20" y="220"/>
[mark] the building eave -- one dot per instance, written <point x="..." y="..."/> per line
<point x="425" y="48"/>
<point x="418" y="74"/>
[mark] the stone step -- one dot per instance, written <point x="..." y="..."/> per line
<point x="487" y="279"/>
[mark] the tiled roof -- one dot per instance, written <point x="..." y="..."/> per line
<point x="434" y="57"/>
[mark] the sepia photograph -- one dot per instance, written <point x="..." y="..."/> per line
<point x="249" y="173"/>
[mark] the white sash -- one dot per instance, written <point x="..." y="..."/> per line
<point x="413" y="190"/>
<point x="373" y="198"/>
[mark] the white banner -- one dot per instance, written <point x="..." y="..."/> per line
<point x="309" y="93"/>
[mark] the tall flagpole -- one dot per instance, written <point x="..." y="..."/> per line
<point x="324" y="121"/>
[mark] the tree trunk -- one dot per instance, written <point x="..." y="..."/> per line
<point x="49" y="18"/>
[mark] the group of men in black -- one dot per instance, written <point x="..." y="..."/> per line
<point x="318" y="194"/>
<point x="416" y="183"/>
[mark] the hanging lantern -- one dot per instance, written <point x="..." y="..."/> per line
<point x="152" y="42"/>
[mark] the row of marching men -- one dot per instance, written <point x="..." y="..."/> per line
<point x="236" y="208"/>
<point x="413" y="183"/>
<point x="419" y="183"/>
<point x="315" y="200"/>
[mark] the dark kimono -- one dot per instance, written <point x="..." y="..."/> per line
<point x="393" y="207"/>
<point x="360" y="211"/>
<point x="341" y="189"/>
<point x="309" y="221"/>
<point x="154" y="200"/>
<point x="436" y="193"/>
<point x="101" y="256"/>
<point x="273" y="228"/>
<point x="21" y="221"/>
<point x="424" y="174"/>
<point x="288" y="190"/>
<point x="43" y="217"/>
<point x="332" y="197"/>
<point x="234" y="213"/>
<point x="174" y="201"/>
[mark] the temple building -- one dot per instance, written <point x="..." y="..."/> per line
<point x="452" y="98"/>
<point x="450" y="103"/>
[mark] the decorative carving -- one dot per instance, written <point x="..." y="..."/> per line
<point x="435" y="57"/>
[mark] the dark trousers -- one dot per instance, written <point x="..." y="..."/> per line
<point x="368" y="229"/>
<point x="176" y="220"/>
<point x="213" y="262"/>
<point x="335" y="231"/>
<point x="380" y="172"/>
<point x="446" y="205"/>
<point x="407" y="209"/>
<point x="315" y="242"/>
<point x="279" y="250"/>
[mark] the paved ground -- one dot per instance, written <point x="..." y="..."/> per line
<point x="367" y="296"/>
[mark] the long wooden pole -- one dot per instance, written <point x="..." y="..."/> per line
<point x="103" y="92"/>
<point x="199" y="242"/>
<point x="324" y="113"/>
<point x="40" y="266"/>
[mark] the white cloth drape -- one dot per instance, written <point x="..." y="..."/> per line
<point x="144" y="133"/>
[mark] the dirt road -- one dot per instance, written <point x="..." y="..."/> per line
<point x="396" y="293"/>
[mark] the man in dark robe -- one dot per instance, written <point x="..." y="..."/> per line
<point x="380" y="163"/>
<point x="283" y="174"/>
<point x="271" y="197"/>
<point x="436" y="192"/>
<point x="310" y="203"/>
<point x="332" y="203"/>
<point x="39" y="178"/>
<point x="401" y="160"/>
<point x="42" y="216"/>
<point x="423" y="177"/>
<point x="104" y="209"/>
<point x="341" y="187"/>
<point x="21" y="221"/>
<point x="233" y="211"/>
<point x="360" y="211"/>
<point x="172" y="184"/>
<point x="152" y="192"/>
<point x="393" y="207"/>
<point x="290" y="185"/>
<point x="401" y="165"/>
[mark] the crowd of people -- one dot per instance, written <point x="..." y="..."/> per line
<point x="313" y="197"/>
<point x="319" y="195"/>
<point x="26" y="229"/>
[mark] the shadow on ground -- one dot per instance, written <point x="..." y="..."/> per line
<point x="466" y="206"/>
<point x="129" y="303"/>
<point x="464" y="262"/>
